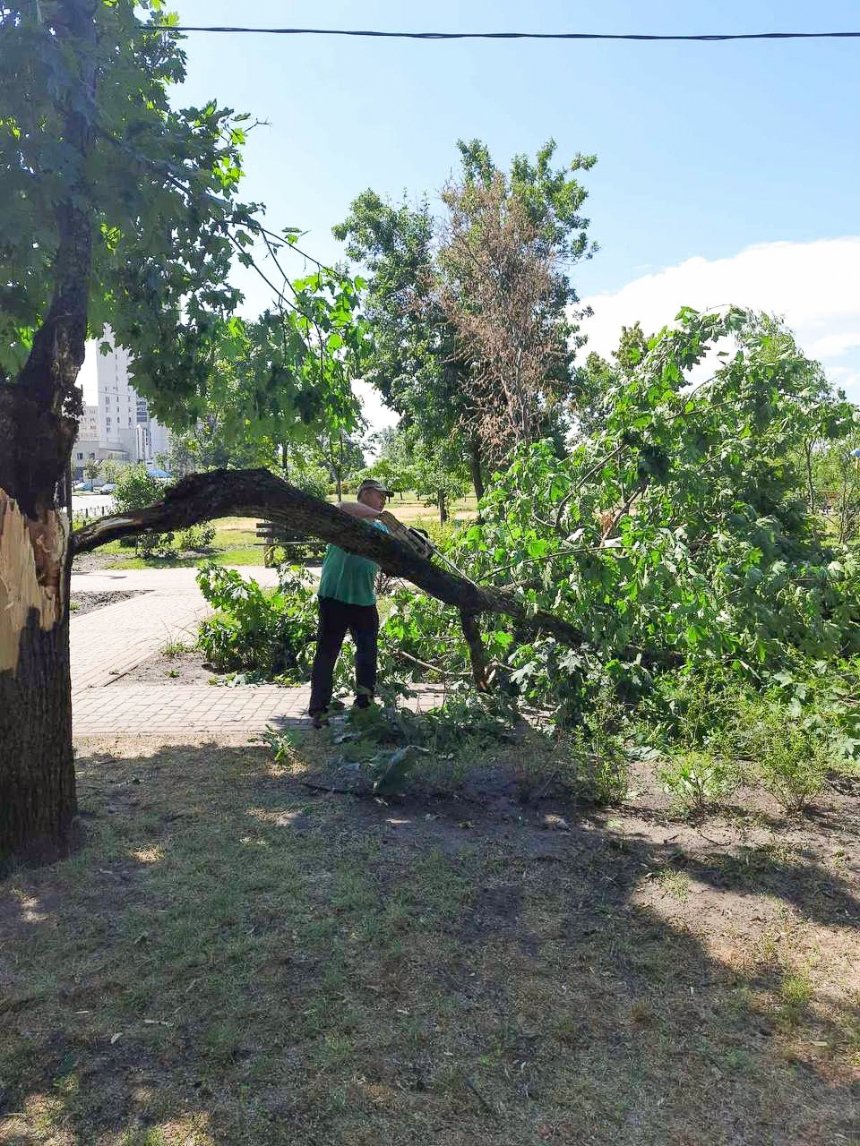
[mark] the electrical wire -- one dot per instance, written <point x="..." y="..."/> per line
<point x="635" y="36"/>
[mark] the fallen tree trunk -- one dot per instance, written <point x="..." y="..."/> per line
<point x="258" y="493"/>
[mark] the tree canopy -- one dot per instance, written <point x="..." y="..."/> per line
<point x="427" y="303"/>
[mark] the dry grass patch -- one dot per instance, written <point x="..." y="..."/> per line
<point x="236" y="958"/>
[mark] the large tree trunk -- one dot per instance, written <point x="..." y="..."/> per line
<point x="37" y="786"/>
<point x="37" y="779"/>
<point x="38" y="424"/>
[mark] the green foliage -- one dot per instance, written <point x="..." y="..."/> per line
<point x="435" y="471"/>
<point x="696" y="707"/>
<point x="790" y="757"/>
<point x="262" y="634"/>
<point x="416" y="361"/>
<point x="155" y="545"/>
<point x="832" y="482"/>
<point x="395" y="747"/>
<point x="111" y="470"/>
<point x="341" y="456"/>
<point x="309" y="477"/>
<point x="590" y="763"/>
<point x="553" y="197"/>
<point x="160" y="183"/>
<point x="198" y="537"/>
<point x="673" y="536"/>
<point x="158" y="186"/>
<point x="696" y="779"/>
<point x="135" y="489"/>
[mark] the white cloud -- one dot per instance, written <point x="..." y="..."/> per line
<point x="833" y="345"/>
<point x="815" y="286"/>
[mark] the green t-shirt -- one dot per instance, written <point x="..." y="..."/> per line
<point x="348" y="577"/>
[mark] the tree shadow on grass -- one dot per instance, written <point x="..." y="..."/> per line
<point x="233" y="958"/>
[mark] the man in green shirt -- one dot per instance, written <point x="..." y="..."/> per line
<point x="347" y="603"/>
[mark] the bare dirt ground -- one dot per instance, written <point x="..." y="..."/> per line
<point x="185" y="667"/>
<point x="86" y="602"/>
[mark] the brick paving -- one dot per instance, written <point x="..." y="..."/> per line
<point x="156" y="709"/>
<point x="109" y="642"/>
<point x="115" y="639"/>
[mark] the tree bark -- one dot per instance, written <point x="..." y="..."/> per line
<point x="37" y="786"/>
<point x="37" y="780"/>
<point x="477" y="654"/>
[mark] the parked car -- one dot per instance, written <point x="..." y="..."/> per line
<point x="108" y="487"/>
<point x="83" y="487"/>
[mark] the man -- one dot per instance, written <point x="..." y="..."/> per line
<point x="347" y="603"/>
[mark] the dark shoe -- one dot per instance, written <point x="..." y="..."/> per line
<point x="319" y="719"/>
<point x="362" y="702"/>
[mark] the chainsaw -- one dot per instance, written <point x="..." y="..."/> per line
<point x="416" y="539"/>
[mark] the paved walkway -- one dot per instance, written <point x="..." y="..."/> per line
<point x="109" y="642"/>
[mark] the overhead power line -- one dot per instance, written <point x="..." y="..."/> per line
<point x="637" y="36"/>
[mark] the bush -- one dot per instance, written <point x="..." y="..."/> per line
<point x="135" y="488"/>
<point x="268" y="634"/>
<point x="592" y="766"/>
<point x="150" y="545"/>
<point x="313" y="481"/>
<point x="196" y="537"/>
<point x="695" y="780"/>
<point x="791" y="758"/>
<point x="441" y="536"/>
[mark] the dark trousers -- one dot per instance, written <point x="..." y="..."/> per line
<point x="336" y="619"/>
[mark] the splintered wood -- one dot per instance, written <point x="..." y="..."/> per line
<point x="31" y="563"/>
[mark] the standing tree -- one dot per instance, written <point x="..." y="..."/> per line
<point x="425" y="308"/>
<point x="118" y="208"/>
<point x="509" y="243"/>
<point x="414" y="361"/>
<point x="341" y="456"/>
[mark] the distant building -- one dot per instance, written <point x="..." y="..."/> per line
<point x="119" y="426"/>
<point x="124" y="422"/>
<point x="89" y="427"/>
<point x="87" y="444"/>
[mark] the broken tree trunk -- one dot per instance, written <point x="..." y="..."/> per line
<point x="258" y="493"/>
<point x="39" y="412"/>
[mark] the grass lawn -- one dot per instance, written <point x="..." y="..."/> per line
<point x="235" y="957"/>
<point x="235" y="543"/>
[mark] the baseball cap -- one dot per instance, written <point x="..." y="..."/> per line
<point x="372" y="483"/>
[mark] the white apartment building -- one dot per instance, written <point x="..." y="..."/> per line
<point x="87" y="446"/>
<point x="89" y="426"/>
<point x="124" y="425"/>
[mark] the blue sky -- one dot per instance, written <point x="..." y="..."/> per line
<point x="704" y="150"/>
